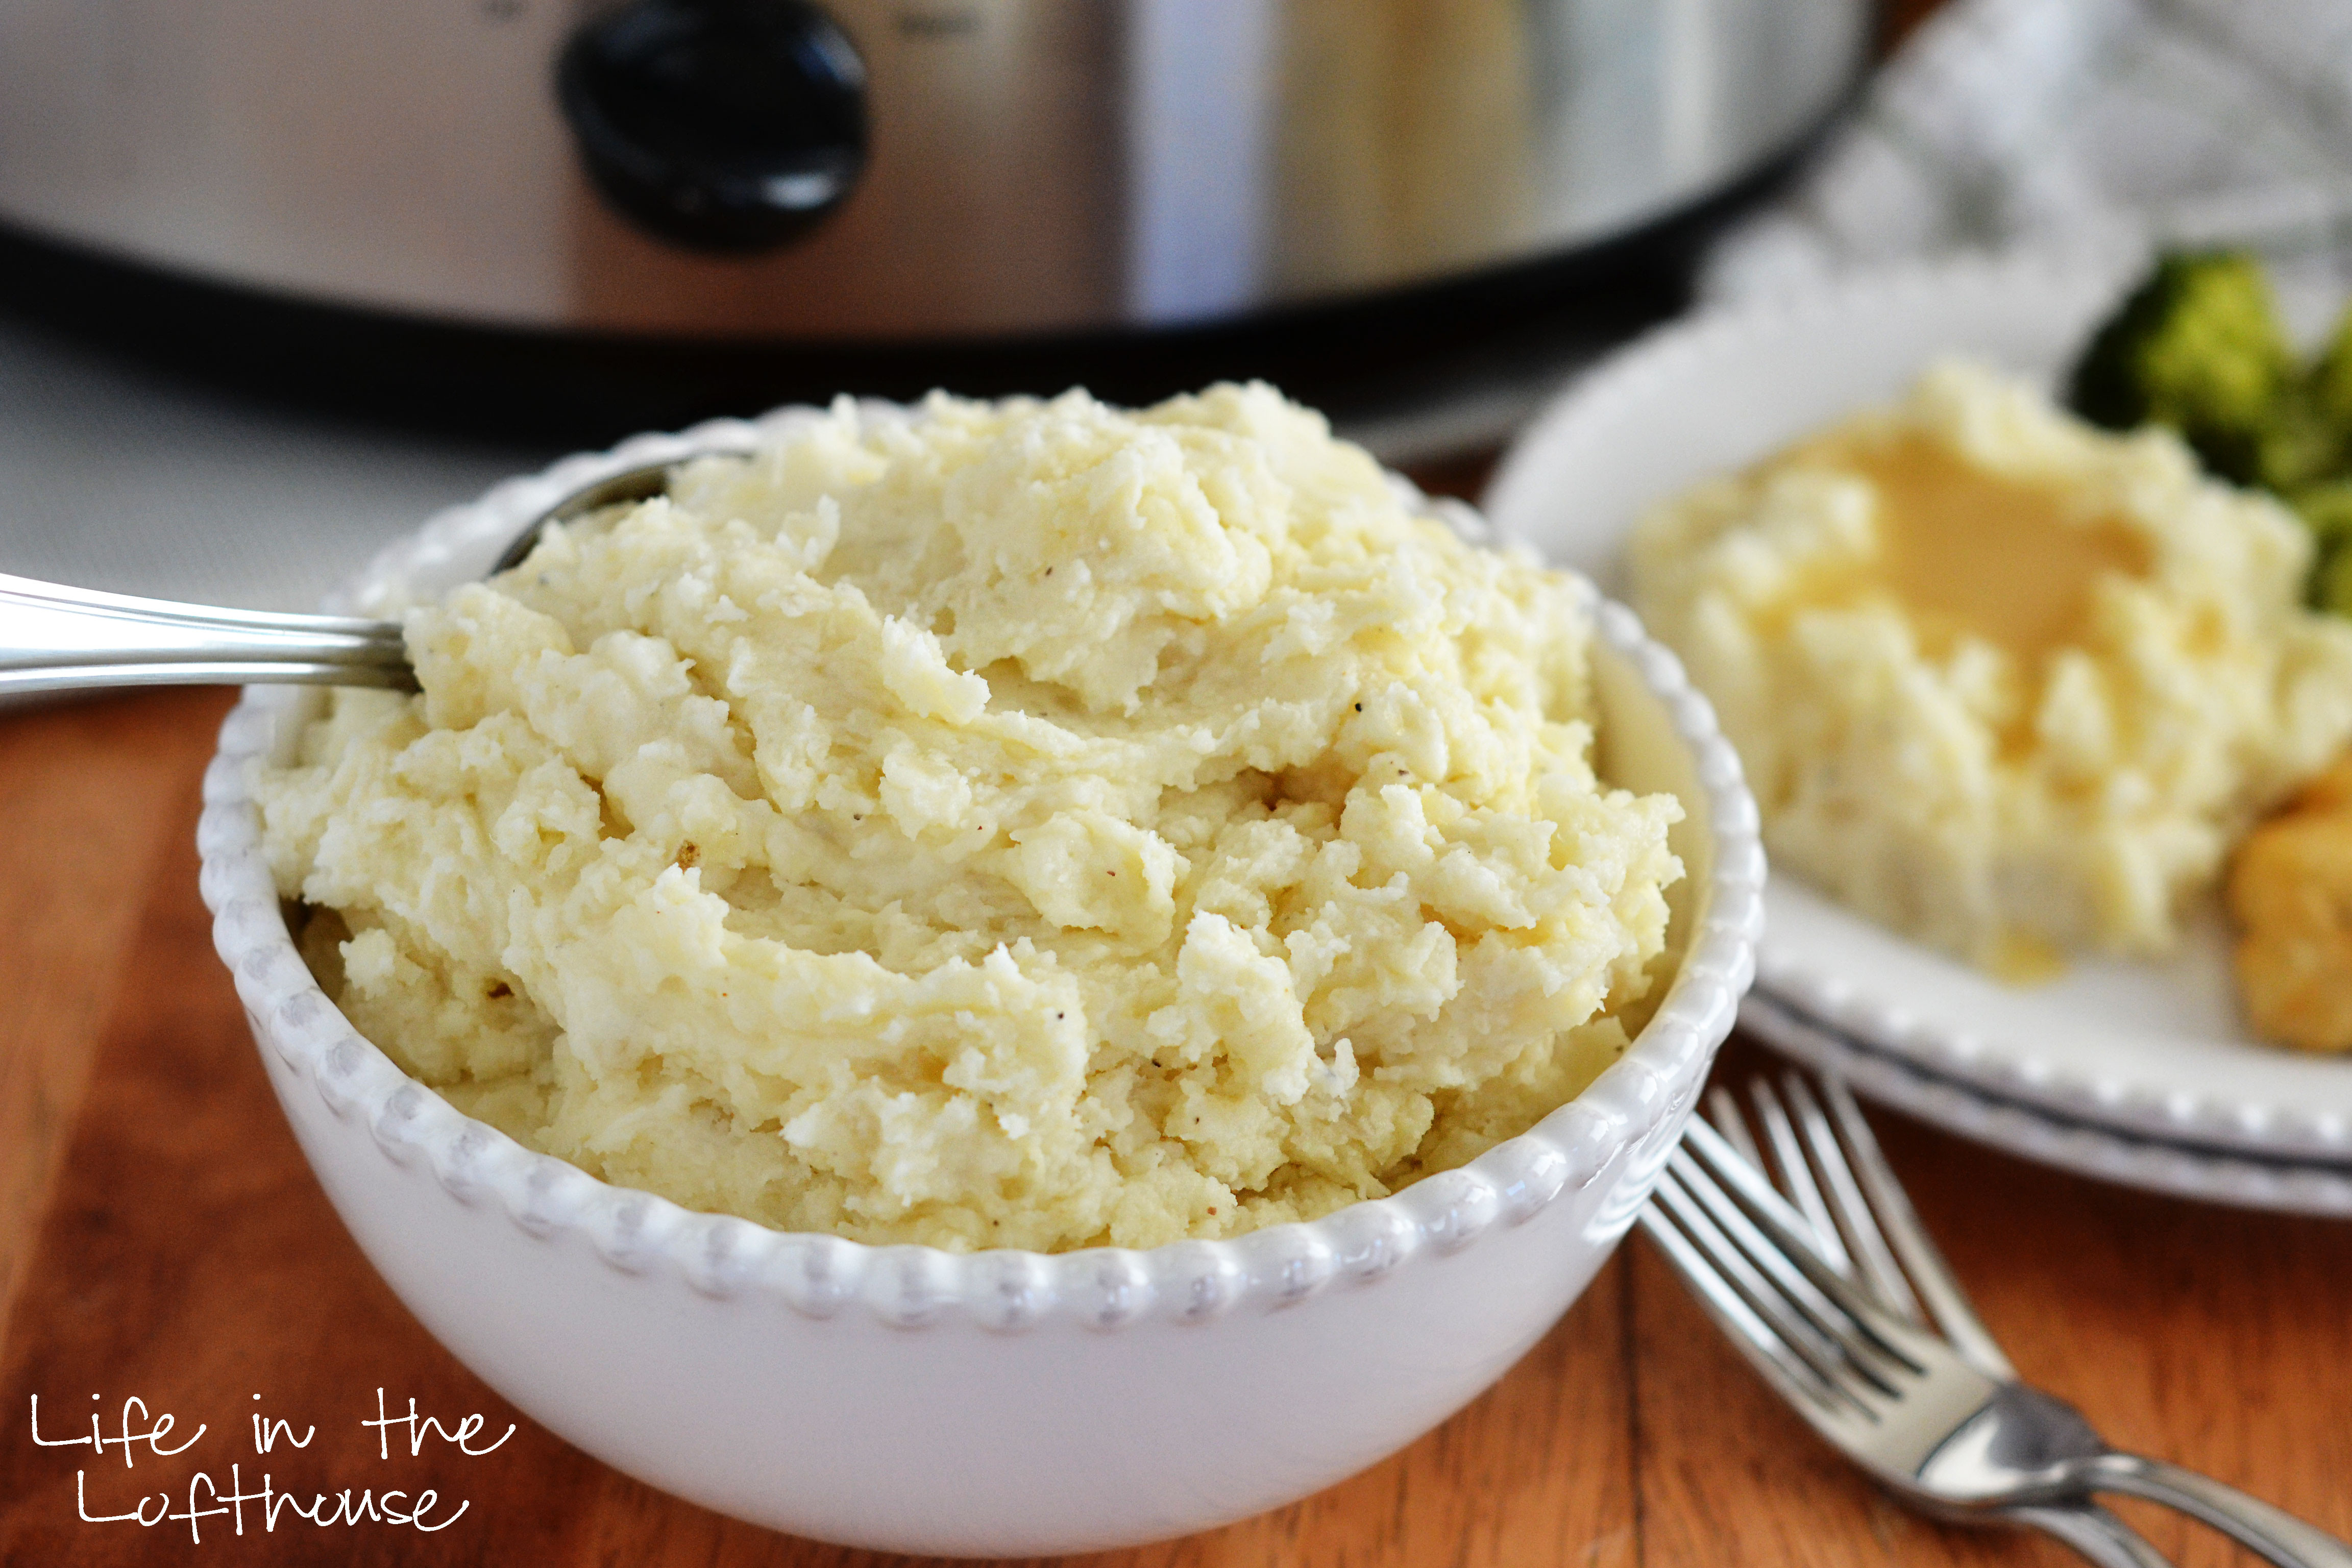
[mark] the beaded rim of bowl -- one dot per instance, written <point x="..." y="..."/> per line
<point x="911" y="1286"/>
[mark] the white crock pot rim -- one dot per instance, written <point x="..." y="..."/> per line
<point x="911" y="1286"/>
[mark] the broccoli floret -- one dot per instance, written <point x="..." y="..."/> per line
<point x="2299" y="444"/>
<point x="2310" y="437"/>
<point x="2332" y="375"/>
<point x="2198" y="347"/>
<point x="2327" y="510"/>
<point x="2331" y="586"/>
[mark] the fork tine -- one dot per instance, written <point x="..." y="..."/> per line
<point x="1723" y="1110"/>
<point x="1755" y="1189"/>
<point x="1796" y="1176"/>
<point x="1865" y="1241"/>
<point x="1938" y="1287"/>
<point x="1780" y="1367"/>
<point x="1836" y="1333"/>
<point x="1790" y="1233"/>
<point x="1726" y="1302"/>
<point x="1805" y="1340"/>
<point x="1761" y="1317"/>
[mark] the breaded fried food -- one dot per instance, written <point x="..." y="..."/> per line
<point x="2290" y="894"/>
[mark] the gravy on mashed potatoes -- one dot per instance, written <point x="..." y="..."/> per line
<point x="2002" y="681"/>
<point x="1028" y="824"/>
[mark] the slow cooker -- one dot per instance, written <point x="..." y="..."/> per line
<point x="641" y="211"/>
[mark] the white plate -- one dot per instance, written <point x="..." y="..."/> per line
<point x="2154" y="1049"/>
<point x="2214" y="1176"/>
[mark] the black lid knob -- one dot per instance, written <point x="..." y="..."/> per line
<point x="722" y="124"/>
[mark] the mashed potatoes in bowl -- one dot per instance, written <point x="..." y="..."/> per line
<point x="2003" y="682"/>
<point x="990" y="1399"/>
<point x="1031" y="825"/>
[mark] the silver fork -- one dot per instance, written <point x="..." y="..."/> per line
<point x="1813" y="1293"/>
<point x="1853" y="1244"/>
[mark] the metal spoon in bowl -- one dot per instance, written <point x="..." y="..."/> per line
<point x="56" y="638"/>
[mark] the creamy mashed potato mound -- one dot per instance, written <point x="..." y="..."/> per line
<point x="1029" y="824"/>
<point x="2001" y="680"/>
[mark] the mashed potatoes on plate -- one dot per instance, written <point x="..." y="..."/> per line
<point x="1029" y="824"/>
<point x="2002" y="681"/>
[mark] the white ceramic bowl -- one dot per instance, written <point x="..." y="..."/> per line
<point x="1001" y="1401"/>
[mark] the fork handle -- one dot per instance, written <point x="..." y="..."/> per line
<point x="54" y="637"/>
<point x="2267" y="1531"/>
<point x="2096" y="1535"/>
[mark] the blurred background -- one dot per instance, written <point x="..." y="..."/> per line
<point x="272" y="293"/>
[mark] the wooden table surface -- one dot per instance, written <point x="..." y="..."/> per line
<point x="161" y="1238"/>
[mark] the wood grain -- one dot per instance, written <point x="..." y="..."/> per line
<point x="91" y="791"/>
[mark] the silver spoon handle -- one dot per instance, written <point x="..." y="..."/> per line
<point x="56" y="639"/>
<point x="2267" y="1531"/>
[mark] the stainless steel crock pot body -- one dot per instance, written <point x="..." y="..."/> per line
<point x="1028" y="166"/>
